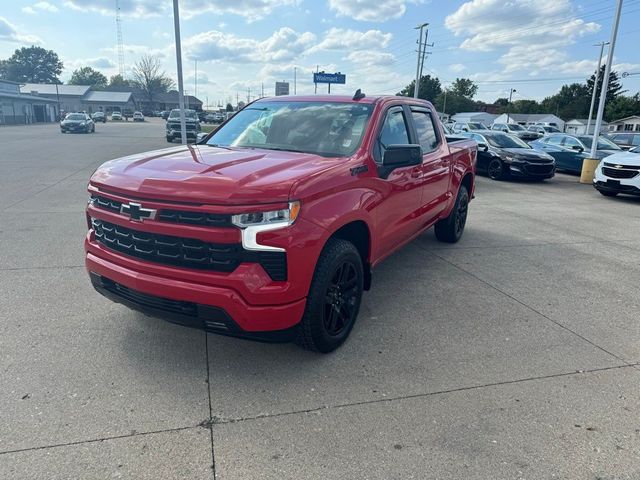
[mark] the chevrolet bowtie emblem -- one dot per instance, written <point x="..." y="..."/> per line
<point x="619" y="166"/>
<point x="136" y="212"/>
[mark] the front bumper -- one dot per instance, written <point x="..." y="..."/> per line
<point x="532" y="170"/>
<point x="630" y="186"/>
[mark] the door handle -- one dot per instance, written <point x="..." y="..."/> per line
<point x="416" y="173"/>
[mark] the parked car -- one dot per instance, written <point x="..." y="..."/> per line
<point x="625" y="140"/>
<point x="271" y="229"/>
<point x="543" y="129"/>
<point x="116" y="117"/>
<point x="77" y="122"/>
<point x="209" y="118"/>
<point x="138" y="117"/>
<point x="173" y="128"/>
<point x="165" y="114"/>
<point x="619" y="173"/>
<point x="99" y="117"/>
<point x="501" y="156"/>
<point x="468" y="127"/>
<point x="517" y="130"/>
<point x="570" y="150"/>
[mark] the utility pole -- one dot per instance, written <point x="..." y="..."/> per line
<point x="595" y="85"/>
<point x="262" y="93"/>
<point x="511" y="92"/>
<point x="195" y="81"/>
<point x="444" y="107"/>
<point x="248" y="95"/>
<point x="176" y="25"/>
<point x="295" y="70"/>
<point x="589" y="164"/>
<point x="420" y="54"/>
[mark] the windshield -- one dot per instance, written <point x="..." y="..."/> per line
<point x="501" y="140"/>
<point x="190" y="114"/>
<point x="330" y="129"/>
<point x="476" y="126"/>
<point x="603" y="143"/>
<point x="515" y="126"/>
<point x="635" y="150"/>
<point x="75" y="116"/>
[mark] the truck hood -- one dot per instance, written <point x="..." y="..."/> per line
<point x="211" y="175"/>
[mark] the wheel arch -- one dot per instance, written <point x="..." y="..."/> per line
<point x="358" y="233"/>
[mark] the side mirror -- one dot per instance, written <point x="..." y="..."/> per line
<point x="484" y="147"/>
<point x="578" y="148"/>
<point x="396" y="156"/>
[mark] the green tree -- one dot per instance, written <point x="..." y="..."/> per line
<point x="454" y="103"/>
<point x="572" y="101"/>
<point x="622" y="106"/>
<point x="149" y="77"/>
<point x="463" y="87"/>
<point x="429" y="89"/>
<point x="32" y="65"/>
<point x="614" y="89"/>
<point x="118" y="81"/>
<point x="88" y="76"/>
<point x="525" y="106"/>
<point x="229" y="107"/>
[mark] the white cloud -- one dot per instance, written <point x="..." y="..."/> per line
<point x="128" y="8"/>
<point x="368" y="11"/>
<point x="252" y="10"/>
<point x="490" y="24"/>
<point x="9" y="33"/>
<point x="347" y="39"/>
<point x="40" y="6"/>
<point x="370" y="58"/>
<point x="457" y="67"/>
<point x="283" y="45"/>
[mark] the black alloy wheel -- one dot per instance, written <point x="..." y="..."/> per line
<point x="334" y="298"/>
<point x="341" y="299"/>
<point x="495" y="170"/>
<point x="450" y="229"/>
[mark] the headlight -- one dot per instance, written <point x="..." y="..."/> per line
<point x="82" y="124"/>
<point x="274" y="218"/>
<point x="509" y="158"/>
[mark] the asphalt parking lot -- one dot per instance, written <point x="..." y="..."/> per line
<point x="511" y="355"/>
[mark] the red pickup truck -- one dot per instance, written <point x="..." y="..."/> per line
<point x="271" y="226"/>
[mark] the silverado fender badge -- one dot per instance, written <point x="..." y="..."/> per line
<point x="136" y="212"/>
<point x="359" y="169"/>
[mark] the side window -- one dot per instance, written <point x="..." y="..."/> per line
<point x="394" y="131"/>
<point x="555" y="140"/>
<point x="570" y="142"/>
<point x="425" y="129"/>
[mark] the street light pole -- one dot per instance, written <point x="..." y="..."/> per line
<point x="589" y="164"/>
<point x="595" y="85"/>
<point x="417" y="86"/>
<point x="176" y="25"/>
<point x="511" y="92"/>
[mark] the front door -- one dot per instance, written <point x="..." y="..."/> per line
<point x="397" y="215"/>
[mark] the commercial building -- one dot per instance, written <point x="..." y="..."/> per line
<point x="578" y="126"/>
<point x="532" y="119"/>
<point x="485" y="118"/>
<point x="627" y="124"/>
<point x="17" y="108"/>
<point x="81" y="98"/>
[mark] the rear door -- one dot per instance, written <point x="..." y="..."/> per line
<point x="397" y="215"/>
<point x="435" y="168"/>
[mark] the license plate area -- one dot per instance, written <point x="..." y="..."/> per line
<point x="613" y="183"/>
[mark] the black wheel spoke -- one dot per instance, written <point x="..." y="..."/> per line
<point x="340" y="299"/>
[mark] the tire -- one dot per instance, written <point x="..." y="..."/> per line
<point x="170" y="139"/>
<point x="608" y="194"/>
<point x="495" y="169"/>
<point x="334" y="298"/>
<point x="450" y="229"/>
<point x="93" y="129"/>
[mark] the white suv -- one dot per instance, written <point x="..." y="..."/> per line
<point x="619" y="173"/>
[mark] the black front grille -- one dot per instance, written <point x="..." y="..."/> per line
<point x="195" y="218"/>
<point x="186" y="252"/>
<point x="181" y="252"/>
<point x="176" y="126"/>
<point x="538" y="169"/>
<point x="619" y="173"/>
<point x="169" y="215"/>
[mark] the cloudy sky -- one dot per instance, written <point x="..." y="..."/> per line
<point x="532" y="45"/>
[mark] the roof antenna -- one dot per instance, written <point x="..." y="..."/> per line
<point x="358" y="95"/>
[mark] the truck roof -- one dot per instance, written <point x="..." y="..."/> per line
<point x="334" y="98"/>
